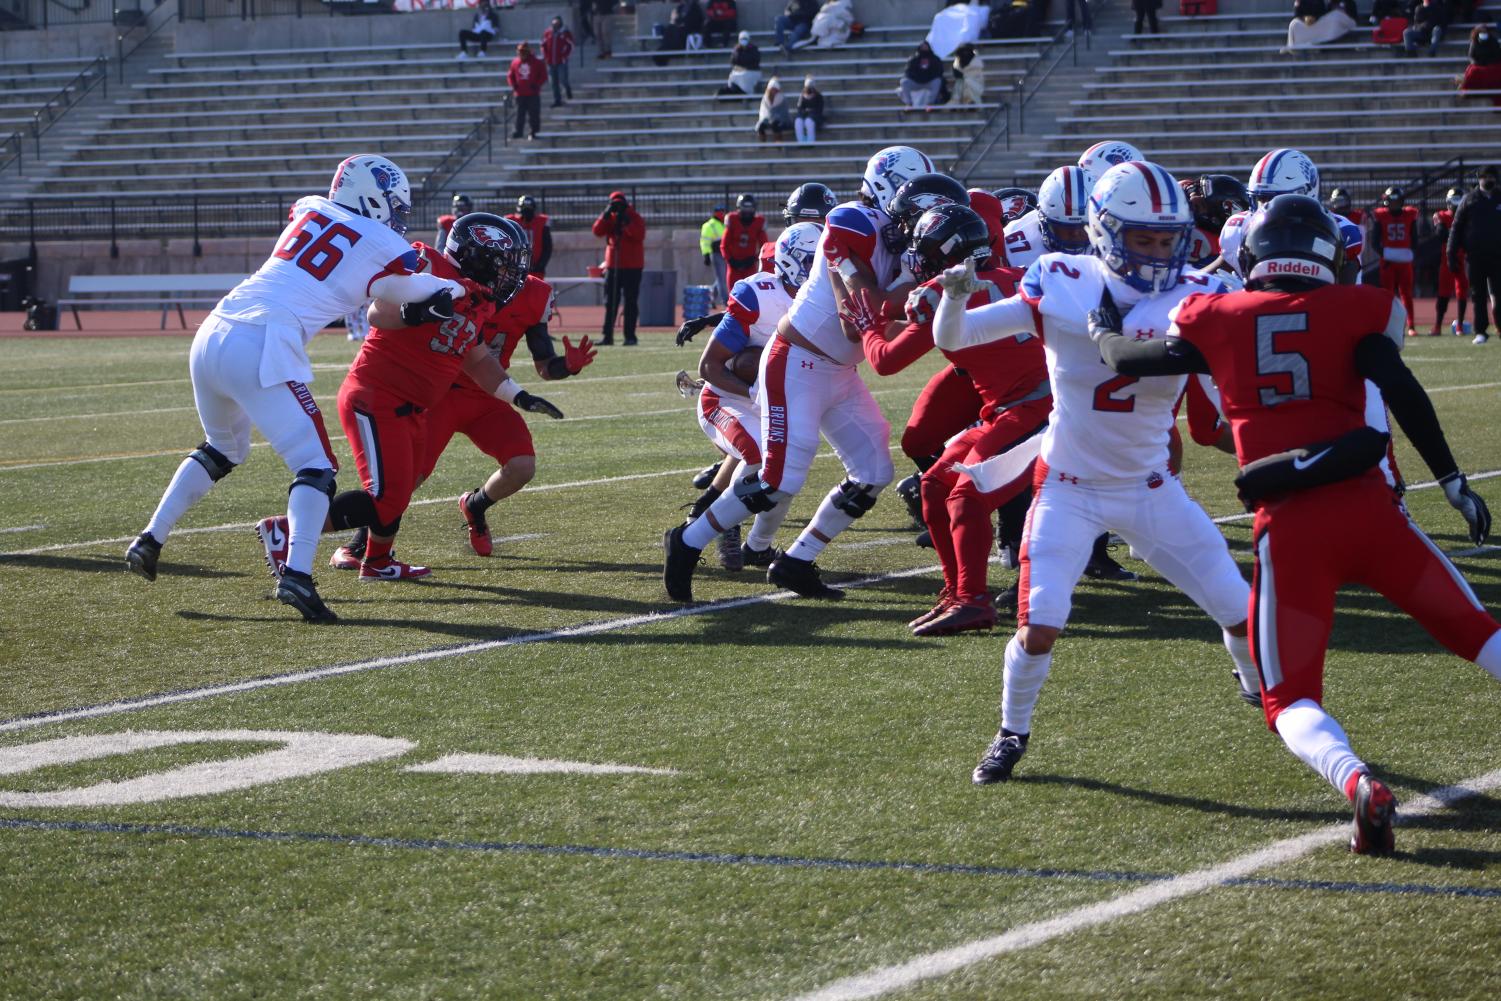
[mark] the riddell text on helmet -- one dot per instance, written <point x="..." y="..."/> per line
<point x="1304" y="268"/>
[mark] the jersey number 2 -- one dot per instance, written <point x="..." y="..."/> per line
<point x="1106" y="400"/>
<point x="316" y="255"/>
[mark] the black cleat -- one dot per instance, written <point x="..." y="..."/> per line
<point x="679" y="564"/>
<point x="1246" y="695"/>
<point x="140" y="558"/>
<point x="1102" y="566"/>
<point x="297" y="589"/>
<point x="760" y="557"/>
<point x="800" y="576"/>
<point x="731" y="556"/>
<point x="910" y="491"/>
<point x="1374" y="808"/>
<point x="1000" y="757"/>
<point x="924" y="539"/>
<point x="704" y="477"/>
<point x="1007" y="598"/>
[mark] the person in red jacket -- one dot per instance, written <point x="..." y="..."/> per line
<point x="744" y="233"/>
<point x="557" y="46"/>
<point x="1395" y="226"/>
<point x="462" y="206"/>
<point x="624" y="233"/>
<point x="526" y="77"/>
<point x="535" y="223"/>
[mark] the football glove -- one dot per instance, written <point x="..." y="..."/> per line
<point x="959" y="282"/>
<point x="693" y="326"/>
<point x="1104" y="319"/>
<point x="436" y="308"/>
<point x="708" y="261"/>
<point x="1469" y="504"/>
<point x="689" y="387"/>
<point x="576" y="357"/>
<point x="536" y="405"/>
<point x="861" y="311"/>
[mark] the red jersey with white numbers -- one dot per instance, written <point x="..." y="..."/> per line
<point x="530" y="307"/>
<point x="1284" y="362"/>
<point x="420" y="363"/>
<point x="1397" y="228"/>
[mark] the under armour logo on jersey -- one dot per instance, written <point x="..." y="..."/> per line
<point x="807" y="364"/>
<point x="490" y="236"/>
<point x="1146" y="333"/>
<point x="1066" y="478"/>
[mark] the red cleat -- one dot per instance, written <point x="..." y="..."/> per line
<point x="276" y="540"/>
<point x="960" y="617"/>
<point x="944" y="597"/>
<point x="1374" y="808"/>
<point x="479" y="531"/>
<point x="390" y="568"/>
<point x="345" y="558"/>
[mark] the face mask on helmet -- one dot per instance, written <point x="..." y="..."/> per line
<point x="888" y="170"/>
<point x="944" y="236"/>
<point x="1140" y="225"/>
<point x="1062" y="204"/>
<point x="492" y="251"/>
<point x="795" y="252"/>
<point x="526" y="207"/>
<point x="1292" y="244"/>
<point x="375" y="188"/>
<point x="1453" y="198"/>
<point x="1283" y="172"/>
<point x="1015" y="202"/>
<point x="1215" y="198"/>
<point x="923" y="192"/>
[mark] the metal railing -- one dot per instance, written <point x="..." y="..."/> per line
<point x="1065" y="46"/>
<point x="480" y="138"/>
<point x="1001" y="113"/>
<point x="131" y="37"/>
<point x="95" y="74"/>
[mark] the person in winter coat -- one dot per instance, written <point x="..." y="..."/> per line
<point x="794" y="24"/>
<point x="744" y="232"/>
<point x="624" y="233"/>
<point x="557" y="46"/>
<point x="745" y="68"/>
<point x="809" y="114"/>
<point x="969" y="75"/>
<point x="481" y="31"/>
<point x="1429" y="21"/>
<point x="773" y="115"/>
<point x="721" y="22"/>
<point x="922" y="79"/>
<point x="1477" y="232"/>
<point x="526" y="77"/>
<point x="832" y="24"/>
<point x="1146" y="11"/>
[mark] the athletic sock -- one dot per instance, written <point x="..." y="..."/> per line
<point x="1240" y="653"/>
<point x="828" y="522"/>
<point x="1319" y="741"/>
<point x="189" y="484"/>
<point x="1489" y="656"/>
<point x="307" y="507"/>
<point x="477" y="502"/>
<point x="377" y="549"/>
<point x="726" y="512"/>
<point x="1023" y="678"/>
<point x="764" y="529"/>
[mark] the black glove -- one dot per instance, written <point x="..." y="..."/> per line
<point x="436" y="308"/>
<point x="708" y="261"/>
<point x="536" y="405"/>
<point x="1104" y="319"/>
<point x="1468" y="503"/>
<point x="695" y="325"/>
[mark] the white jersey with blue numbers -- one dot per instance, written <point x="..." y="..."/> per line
<point x="1024" y="240"/>
<point x="852" y="232"/>
<point x="757" y="304"/>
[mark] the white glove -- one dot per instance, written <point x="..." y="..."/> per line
<point x="1469" y="504"/>
<point x="959" y="282"/>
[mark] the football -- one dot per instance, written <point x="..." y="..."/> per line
<point x="745" y="365"/>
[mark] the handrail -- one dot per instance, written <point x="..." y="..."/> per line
<point x="1022" y="97"/>
<point x="443" y="171"/>
<point x="91" y="76"/>
<point x="1001" y="109"/>
<point x="122" y="54"/>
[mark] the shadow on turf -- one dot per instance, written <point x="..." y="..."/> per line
<point x="111" y="564"/>
<point x="460" y="630"/>
<point x="1197" y="803"/>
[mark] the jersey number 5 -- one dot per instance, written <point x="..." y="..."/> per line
<point x="1288" y="370"/>
<point x="316" y="255"/>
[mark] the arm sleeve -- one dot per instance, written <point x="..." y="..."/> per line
<point x="1169" y="356"/>
<point x="539" y="343"/>
<point x="890" y="357"/>
<point x="412" y="288"/>
<point x="1379" y="360"/>
<point x="541" y="262"/>
<point x="955" y="327"/>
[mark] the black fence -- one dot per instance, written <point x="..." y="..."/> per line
<point x="18" y="15"/>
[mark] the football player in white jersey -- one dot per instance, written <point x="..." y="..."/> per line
<point x="1056" y="225"/>
<point x="1104" y="456"/>
<point x="249" y="360"/>
<point x="727" y="410"/>
<point x="809" y="384"/>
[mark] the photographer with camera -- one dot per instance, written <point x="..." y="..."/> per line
<point x="624" y="233"/>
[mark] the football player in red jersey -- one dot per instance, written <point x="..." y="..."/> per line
<point x="1291" y="355"/>
<point x="538" y="230"/>
<point x="1010" y="379"/>
<point x="1453" y="284"/>
<point x="462" y="205"/>
<point x="1395" y="225"/>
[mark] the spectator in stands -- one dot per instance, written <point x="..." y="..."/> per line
<point x="538" y="230"/>
<point x="969" y="76"/>
<point x="624" y="233"/>
<point x="1427" y="24"/>
<point x="745" y="68"/>
<point x="795" y="24"/>
<point x="462" y="206"/>
<point x="1482" y="76"/>
<point x="526" y="77"/>
<point x="1477" y="232"/>
<point x="557" y="46"/>
<point x="709" y="236"/>
<point x="1389" y="18"/>
<point x="831" y="26"/>
<point x="583" y="10"/>
<point x="1084" y="18"/>
<point x="602" y="17"/>
<point x="721" y="22"/>
<point x="773" y="115"/>
<point x="1485" y="45"/>
<point x="1146" y="13"/>
<point x="809" y="114"/>
<point x="481" y="31"/>
<point x="922" y="79"/>
<point x="1314" y="24"/>
<point x="1019" y="19"/>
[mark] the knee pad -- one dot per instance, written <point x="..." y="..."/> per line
<point x="352" y="509"/>
<point x="854" y="499"/>
<point x="757" y="497"/>
<point x="214" y="461"/>
<point x="321" y="480"/>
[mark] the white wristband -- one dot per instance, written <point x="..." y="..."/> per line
<point x="508" y="390"/>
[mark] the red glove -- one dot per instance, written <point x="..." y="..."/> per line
<point x="861" y="312"/>
<point x="577" y="357"/>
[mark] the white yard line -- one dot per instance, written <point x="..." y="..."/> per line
<point x="21" y="528"/>
<point x="886" y="979"/>
<point x="83" y="417"/>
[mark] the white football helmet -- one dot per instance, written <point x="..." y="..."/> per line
<point x="1103" y="155"/>
<point x="1453" y="198"/>
<point x="1283" y="172"/>
<point x="1132" y="197"/>
<point x="1062" y="210"/>
<point x="795" y="249"/>
<point x="888" y="170"/>
<point x="375" y="188"/>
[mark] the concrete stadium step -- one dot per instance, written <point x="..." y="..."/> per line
<point x="1276" y="77"/>
<point x="672" y="171"/>
<point x="1396" y="167"/>
<point x="253" y="114"/>
<point x="279" y="150"/>
<point x="1358" y="102"/>
<point x="1238" y="150"/>
<point x="1204" y="57"/>
<point x="1191" y="122"/>
<point x="1275" y="137"/>
<point x="714" y="132"/>
<point x="430" y="81"/>
<point x="214" y="137"/>
<point x="570" y="156"/>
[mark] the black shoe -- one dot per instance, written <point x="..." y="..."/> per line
<point x="679" y="564"/>
<point x="1103" y="567"/>
<point x="1374" y="808"/>
<point x="731" y="556"/>
<point x="801" y="577"/>
<point x="1007" y="598"/>
<point x="704" y="477"/>
<point x="297" y="589"/>
<point x="1248" y="697"/>
<point x="140" y="558"/>
<point x="924" y="539"/>
<point x="630" y="342"/>
<point x="1000" y="757"/>
<point x="760" y="557"/>
<point x="606" y="341"/>
<point x="910" y="491"/>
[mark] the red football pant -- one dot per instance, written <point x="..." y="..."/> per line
<point x="387" y="435"/>
<point x="495" y="427"/>
<point x="947" y="405"/>
<point x="734" y="274"/>
<point x="1300" y="564"/>
<point x="1396" y="277"/>
<point x="955" y="510"/>
<point x="1450" y="284"/>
